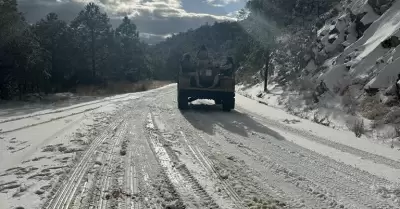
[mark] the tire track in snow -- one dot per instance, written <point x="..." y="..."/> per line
<point x="87" y="194"/>
<point x="278" y="184"/>
<point x="106" y="172"/>
<point x="110" y="100"/>
<point x="128" y="183"/>
<point x="295" y="200"/>
<point x="341" y="185"/>
<point x="146" y="167"/>
<point x="191" y="192"/>
<point x="174" y="121"/>
<point x="207" y="164"/>
<point x="135" y="186"/>
<point x="130" y="180"/>
<point x="66" y="192"/>
<point x="62" y="109"/>
<point x="354" y="151"/>
<point x="48" y="121"/>
<point x="57" y="118"/>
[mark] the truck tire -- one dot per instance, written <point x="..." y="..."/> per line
<point x="183" y="102"/>
<point x="228" y="104"/>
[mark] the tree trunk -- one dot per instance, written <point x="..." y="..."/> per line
<point x="93" y="55"/>
<point x="20" y="89"/>
<point x="267" y="58"/>
<point x="53" y="60"/>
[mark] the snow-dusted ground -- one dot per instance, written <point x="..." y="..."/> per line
<point x="328" y="111"/>
<point x="36" y="148"/>
<point x="140" y="151"/>
<point x="340" y="139"/>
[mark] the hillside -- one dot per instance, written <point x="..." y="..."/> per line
<point x="222" y="39"/>
<point x="354" y="53"/>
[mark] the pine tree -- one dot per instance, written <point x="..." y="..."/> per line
<point x="92" y="25"/>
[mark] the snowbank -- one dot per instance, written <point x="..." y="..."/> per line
<point x="338" y="138"/>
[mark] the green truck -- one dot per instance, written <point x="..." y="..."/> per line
<point x="209" y="82"/>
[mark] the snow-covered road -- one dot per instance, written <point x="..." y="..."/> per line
<point x="140" y="151"/>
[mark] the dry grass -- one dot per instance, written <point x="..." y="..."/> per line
<point x="373" y="109"/>
<point x="119" y="88"/>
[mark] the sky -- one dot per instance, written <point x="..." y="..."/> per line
<point x="156" y="19"/>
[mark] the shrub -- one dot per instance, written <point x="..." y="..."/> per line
<point x="349" y="102"/>
<point x="357" y="127"/>
<point x="393" y="116"/>
<point x="372" y="109"/>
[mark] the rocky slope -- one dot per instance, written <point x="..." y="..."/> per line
<point x="355" y="52"/>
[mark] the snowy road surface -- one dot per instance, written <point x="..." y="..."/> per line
<point x="140" y="151"/>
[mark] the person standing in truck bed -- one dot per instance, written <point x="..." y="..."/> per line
<point x="188" y="68"/>
<point x="202" y="56"/>
<point x="186" y="64"/>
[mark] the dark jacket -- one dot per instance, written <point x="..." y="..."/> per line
<point x="229" y="68"/>
<point x="186" y="65"/>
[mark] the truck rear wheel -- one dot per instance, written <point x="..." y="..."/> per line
<point x="183" y="102"/>
<point x="228" y="104"/>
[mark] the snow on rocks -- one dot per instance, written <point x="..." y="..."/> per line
<point x="357" y="55"/>
<point x="369" y="46"/>
<point x="361" y="32"/>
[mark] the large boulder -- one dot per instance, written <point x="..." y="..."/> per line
<point x="333" y="30"/>
<point x="360" y="27"/>
<point x="391" y="42"/>
<point x="380" y="6"/>
<point x="332" y="38"/>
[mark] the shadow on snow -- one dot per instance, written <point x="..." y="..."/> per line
<point x="206" y="117"/>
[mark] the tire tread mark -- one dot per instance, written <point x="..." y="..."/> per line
<point x="373" y="157"/>
<point x="65" y="193"/>
<point x="109" y="165"/>
<point x="60" y="110"/>
<point x="180" y="177"/>
<point x="48" y="121"/>
<point x="209" y="166"/>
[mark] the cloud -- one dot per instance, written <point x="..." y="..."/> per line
<point x="221" y="3"/>
<point x="153" y="38"/>
<point x="34" y="10"/>
<point x="157" y="17"/>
